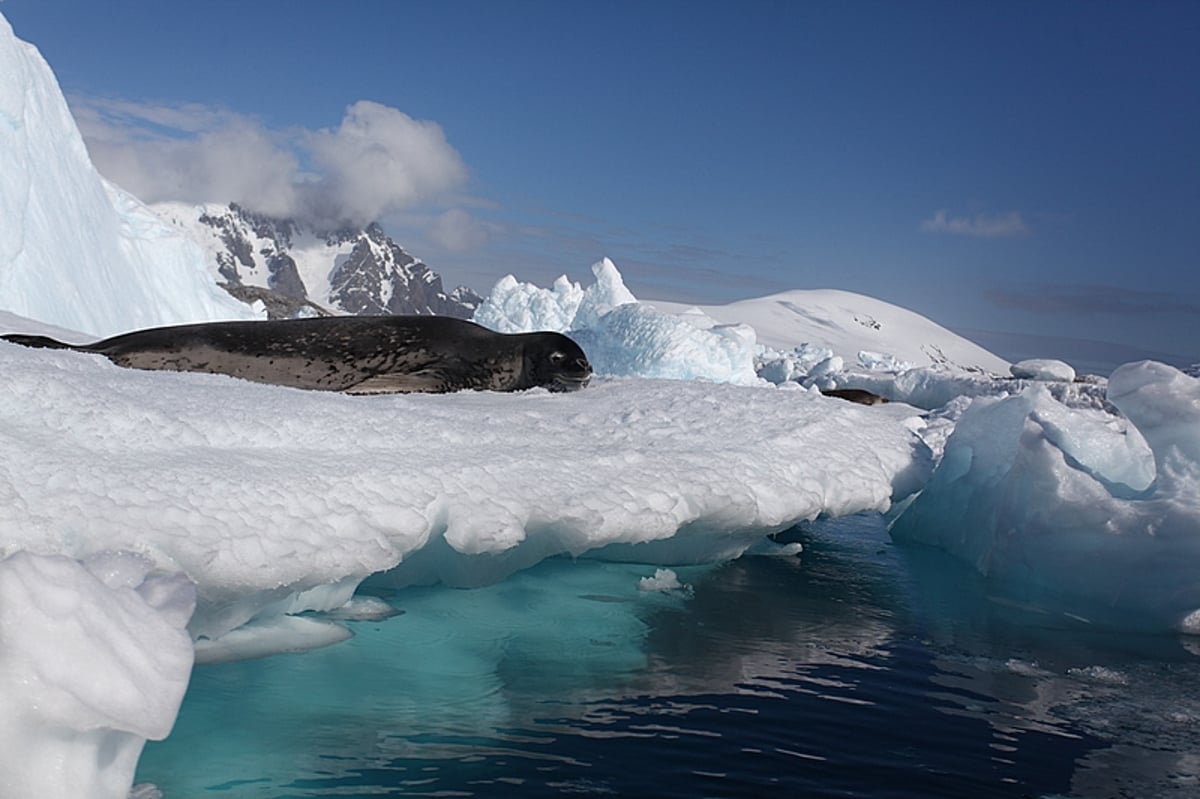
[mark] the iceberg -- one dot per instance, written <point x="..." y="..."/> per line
<point x="94" y="662"/>
<point x="1077" y="505"/>
<point x="622" y="336"/>
<point x="75" y="250"/>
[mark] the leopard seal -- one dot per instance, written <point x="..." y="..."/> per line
<point x="351" y="354"/>
<point x="857" y="395"/>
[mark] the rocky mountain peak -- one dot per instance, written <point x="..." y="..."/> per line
<point x="296" y="267"/>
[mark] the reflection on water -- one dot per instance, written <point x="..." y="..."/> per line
<point x="858" y="669"/>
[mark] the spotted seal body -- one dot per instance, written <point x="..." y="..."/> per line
<point x="352" y="354"/>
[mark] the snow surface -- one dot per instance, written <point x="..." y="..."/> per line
<point x="211" y="476"/>
<point x="76" y="251"/>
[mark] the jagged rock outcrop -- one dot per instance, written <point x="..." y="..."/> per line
<point x="296" y="268"/>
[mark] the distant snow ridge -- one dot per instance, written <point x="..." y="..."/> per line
<point x="865" y="332"/>
<point x="76" y="251"/>
<point x="298" y="269"/>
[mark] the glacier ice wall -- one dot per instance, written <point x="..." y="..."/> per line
<point x="76" y="251"/>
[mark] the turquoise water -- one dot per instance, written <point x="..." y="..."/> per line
<point x="857" y="669"/>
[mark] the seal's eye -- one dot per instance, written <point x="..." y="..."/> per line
<point x="557" y="357"/>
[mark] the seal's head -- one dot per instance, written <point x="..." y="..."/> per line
<point x="556" y="362"/>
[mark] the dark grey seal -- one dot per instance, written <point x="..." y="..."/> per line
<point x="354" y="354"/>
<point x="858" y="395"/>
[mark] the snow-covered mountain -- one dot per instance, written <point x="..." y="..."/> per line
<point x="293" y="266"/>
<point x="75" y="250"/>
<point x="849" y="324"/>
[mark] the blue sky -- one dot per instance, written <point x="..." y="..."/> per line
<point x="1023" y="168"/>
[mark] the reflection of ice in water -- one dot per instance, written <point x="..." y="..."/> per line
<point x="446" y="676"/>
<point x="1040" y="668"/>
<point x="489" y="681"/>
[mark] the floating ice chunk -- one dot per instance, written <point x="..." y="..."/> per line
<point x="771" y="549"/>
<point x="1164" y="404"/>
<point x="1100" y="674"/>
<point x="272" y="635"/>
<point x="89" y="669"/>
<point x="1042" y="369"/>
<point x="145" y="790"/>
<point x="364" y="608"/>
<point x="664" y="580"/>
<point x="1075" y="505"/>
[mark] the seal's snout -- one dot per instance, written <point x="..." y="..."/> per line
<point x="581" y="366"/>
<point x="581" y="371"/>
<point x="574" y="374"/>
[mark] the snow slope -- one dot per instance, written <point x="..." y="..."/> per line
<point x="849" y="323"/>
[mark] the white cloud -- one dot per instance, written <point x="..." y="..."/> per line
<point x="457" y="231"/>
<point x="982" y="225"/>
<point x="378" y="160"/>
<point x="100" y="117"/>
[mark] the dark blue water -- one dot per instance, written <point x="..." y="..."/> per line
<point x="857" y="669"/>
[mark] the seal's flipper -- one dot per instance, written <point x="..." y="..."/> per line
<point x="41" y="342"/>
